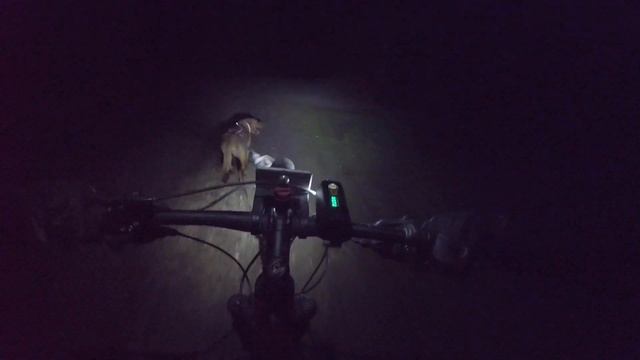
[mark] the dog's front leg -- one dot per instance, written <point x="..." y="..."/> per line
<point x="226" y="165"/>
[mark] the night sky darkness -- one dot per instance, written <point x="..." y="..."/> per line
<point x="530" y="108"/>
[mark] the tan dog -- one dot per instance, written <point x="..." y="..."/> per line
<point x="235" y="144"/>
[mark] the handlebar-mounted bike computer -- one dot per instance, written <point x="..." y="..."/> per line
<point x="332" y="213"/>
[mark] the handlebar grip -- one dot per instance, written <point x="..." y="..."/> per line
<point x="235" y="220"/>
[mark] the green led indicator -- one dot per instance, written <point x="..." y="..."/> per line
<point x="334" y="201"/>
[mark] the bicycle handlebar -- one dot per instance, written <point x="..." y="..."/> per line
<point x="370" y="231"/>
<point x="235" y="220"/>
<point x="450" y="235"/>
<point x="246" y="221"/>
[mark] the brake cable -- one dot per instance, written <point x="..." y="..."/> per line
<point x="216" y="187"/>
<point x="325" y="257"/>
<point x="198" y="191"/>
<point x="245" y="274"/>
<point x="324" y="272"/>
<point x="222" y="197"/>
<point x="242" y="268"/>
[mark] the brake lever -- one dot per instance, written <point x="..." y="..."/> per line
<point x="458" y="237"/>
<point x="411" y="249"/>
<point x="407" y="225"/>
<point x="131" y="218"/>
<point x="123" y="217"/>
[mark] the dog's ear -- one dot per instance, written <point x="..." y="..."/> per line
<point x="256" y="124"/>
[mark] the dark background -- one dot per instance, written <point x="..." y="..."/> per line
<point x="431" y="107"/>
